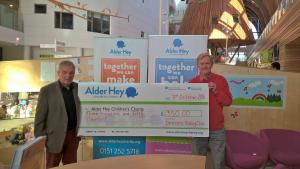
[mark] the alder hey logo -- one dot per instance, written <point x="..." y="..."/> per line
<point x="120" y="49"/>
<point x="111" y="91"/>
<point x="177" y="48"/>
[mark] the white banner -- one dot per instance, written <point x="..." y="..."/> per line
<point x="120" y="60"/>
<point x="144" y="109"/>
<point x="172" y="58"/>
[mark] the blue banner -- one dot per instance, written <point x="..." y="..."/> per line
<point x="170" y="70"/>
<point x="118" y="146"/>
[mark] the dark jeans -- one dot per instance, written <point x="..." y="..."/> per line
<point x="68" y="154"/>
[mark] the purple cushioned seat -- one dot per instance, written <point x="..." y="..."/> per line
<point x="283" y="145"/>
<point x="243" y="160"/>
<point x="287" y="157"/>
<point x="244" y="150"/>
<point x="280" y="166"/>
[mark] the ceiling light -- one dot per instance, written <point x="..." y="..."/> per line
<point x="11" y="5"/>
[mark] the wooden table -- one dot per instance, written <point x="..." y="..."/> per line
<point x="149" y="161"/>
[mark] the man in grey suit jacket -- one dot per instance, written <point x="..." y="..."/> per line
<point x="58" y="116"/>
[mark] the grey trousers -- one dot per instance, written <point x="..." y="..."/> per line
<point x="216" y="142"/>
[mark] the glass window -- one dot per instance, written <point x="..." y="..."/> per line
<point x="236" y="18"/>
<point x="40" y="8"/>
<point x="142" y="34"/>
<point x="63" y="20"/>
<point x="98" y="23"/>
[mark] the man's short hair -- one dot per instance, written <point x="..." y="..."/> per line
<point x="66" y="63"/>
<point x="275" y="65"/>
<point x="203" y="55"/>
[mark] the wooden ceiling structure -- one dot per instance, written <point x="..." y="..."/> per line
<point x="200" y="15"/>
<point x="263" y="10"/>
<point x="279" y="23"/>
<point x="284" y="34"/>
<point x="224" y="21"/>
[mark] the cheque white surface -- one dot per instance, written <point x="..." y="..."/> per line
<point x="144" y="109"/>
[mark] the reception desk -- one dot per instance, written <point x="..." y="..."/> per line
<point x="149" y="161"/>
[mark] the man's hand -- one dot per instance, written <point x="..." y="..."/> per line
<point x="212" y="86"/>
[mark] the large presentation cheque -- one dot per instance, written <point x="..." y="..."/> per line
<point x="144" y="109"/>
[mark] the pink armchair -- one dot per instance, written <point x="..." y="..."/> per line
<point x="283" y="145"/>
<point x="244" y="150"/>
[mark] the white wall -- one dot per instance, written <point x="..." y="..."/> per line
<point x="142" y="17"/>
<point x="165" y="17"/>
<point x="9" y="17"/>
<point x="179" y="12"/>
<point x="9" y="36"/>
<point x="39" y="28"/>
<point x="11" y="48"/>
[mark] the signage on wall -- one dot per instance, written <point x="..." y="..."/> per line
<point x="258" y="91"/>
<point x="59" y="46"/>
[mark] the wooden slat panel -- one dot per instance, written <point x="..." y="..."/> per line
<point x="287" y="34"/>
